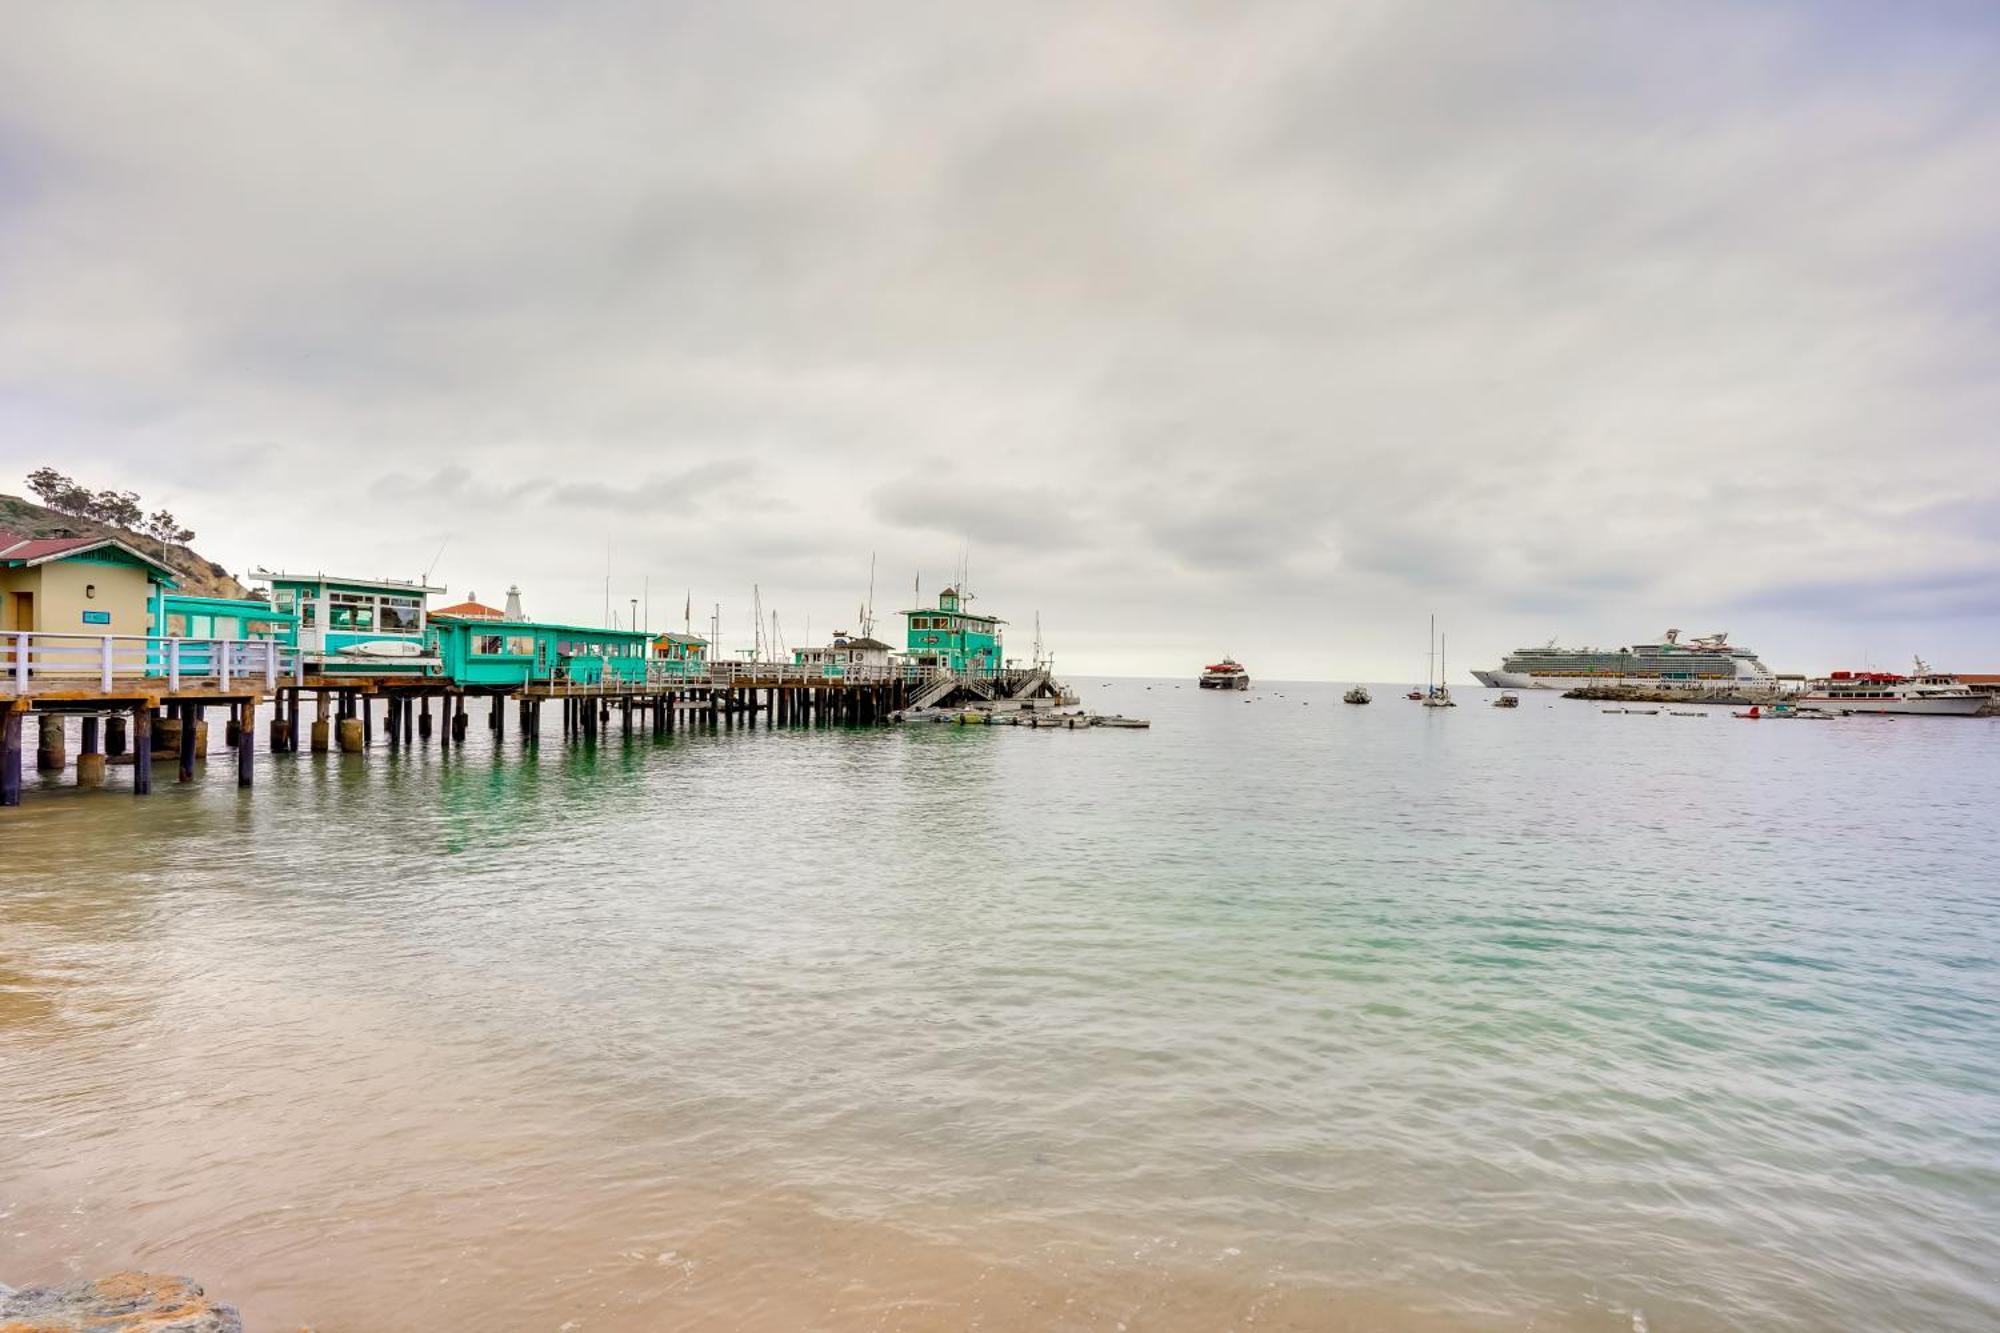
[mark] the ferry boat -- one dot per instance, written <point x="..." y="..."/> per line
<point x="1228" y="674"/>
<point x="1358" y="695"/>
<point x="1924" y="692"/>
<point x="1707" y="664"/>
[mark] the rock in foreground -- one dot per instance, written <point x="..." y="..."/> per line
<point x="120" y="1303"/>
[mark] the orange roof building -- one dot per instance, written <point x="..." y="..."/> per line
<point x="469" y="610"/>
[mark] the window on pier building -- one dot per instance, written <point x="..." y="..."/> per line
<point x="402" y="614"/>
<point x="350" y="612"/>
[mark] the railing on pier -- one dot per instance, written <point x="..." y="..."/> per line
<point x="835" y="673"/>
<point x="615" y="678"/>
<point x="31" y="656"/>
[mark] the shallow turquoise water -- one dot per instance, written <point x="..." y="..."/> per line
<point x="1548" y="1018"/>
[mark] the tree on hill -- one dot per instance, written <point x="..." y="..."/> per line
<point x="60" y="493"/>
<point x="166" y="529"/>
<point x="121" y="509"/>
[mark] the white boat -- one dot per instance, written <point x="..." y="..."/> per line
<point x="1358" y="695"/>
<point x="1437" y="694"/>
<point x="1923" y="693"/>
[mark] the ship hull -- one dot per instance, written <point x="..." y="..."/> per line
<point x="1951" y="706"/>
<point x="1225" y="682"/>
<point x="1524" y="680"/>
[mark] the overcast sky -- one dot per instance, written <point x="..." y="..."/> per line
<point x="1262" y="329"/>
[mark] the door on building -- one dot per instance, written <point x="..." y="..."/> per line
<point x="23" y="609"/>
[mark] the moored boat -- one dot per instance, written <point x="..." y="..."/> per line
<point x="1508" y="701"/>
<point x="1358" y="695"/>
<point x="1437" y="694"/>
<point x="1924" y="693"/>
<point x="1228" y="674"/>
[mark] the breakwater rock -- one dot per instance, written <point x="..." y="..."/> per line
<point x="124" y="1302"/>
<point x="1630" y="694"/>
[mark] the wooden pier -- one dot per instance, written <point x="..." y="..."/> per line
<point x="149" y="698"/>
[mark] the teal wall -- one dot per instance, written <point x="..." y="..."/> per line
<point x="516" y="652"/>
<point x="968" y="644"/>
<point x="223" y="618"/>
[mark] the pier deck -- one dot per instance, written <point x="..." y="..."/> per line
<point x="156" y="693"/>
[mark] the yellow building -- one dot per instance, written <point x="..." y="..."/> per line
<point x="79" y="585"/>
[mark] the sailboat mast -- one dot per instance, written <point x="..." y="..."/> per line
<point x="868" y="617"/>
<point x="1430" y="658"/>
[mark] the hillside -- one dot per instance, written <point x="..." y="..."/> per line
<point x="197" y="575"/>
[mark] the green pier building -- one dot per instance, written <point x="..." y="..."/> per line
<point x="949" y="636"/>
<point x="481" y="651"/>
<point x="356" y="626"/>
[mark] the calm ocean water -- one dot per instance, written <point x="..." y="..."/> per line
<point x="1282" y="1014"/>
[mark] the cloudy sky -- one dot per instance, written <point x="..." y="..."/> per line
<point x="1264" y="329"/>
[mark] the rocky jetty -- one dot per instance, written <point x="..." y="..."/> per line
<point x="120" y="1303"/>
<point x="1632" y="694"/>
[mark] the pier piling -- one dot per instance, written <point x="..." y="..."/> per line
<point x="50" y="752"/>
<point x="10" y="757"/>
<point x="189" y="737"/>
<point x="89" y="759"/>
<point x="142" y="750"/>
<point x="246" y="746"/>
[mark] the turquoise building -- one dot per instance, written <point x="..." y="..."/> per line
<point x="681" y="654"/>
<point x="355" y="625"/>
<point x="478" y="650"/>
<point x="187" y="617"/>
<point x="949" y="636"/>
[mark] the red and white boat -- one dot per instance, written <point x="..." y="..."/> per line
<point x="1925" y="692"/>
<point x="1228" y="674"/>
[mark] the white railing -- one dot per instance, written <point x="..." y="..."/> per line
<point x="793" y="673"/>
<point x="27" y="656"/>
<point x="676" y="675"/>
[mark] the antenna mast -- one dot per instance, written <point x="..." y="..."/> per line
<point x="868" y="616"/>
<point x="426" y="579"/>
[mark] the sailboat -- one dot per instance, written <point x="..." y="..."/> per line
<point x="1437" y="694"/>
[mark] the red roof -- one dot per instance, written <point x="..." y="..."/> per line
<point x="37" y="550"/>
<point x="470" y="611"/>
<point x="16" y="547"/>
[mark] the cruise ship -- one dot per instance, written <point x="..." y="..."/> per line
<point x="1708" y="663"/>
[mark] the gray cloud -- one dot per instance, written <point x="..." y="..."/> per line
<point x="1576" y="319"/>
